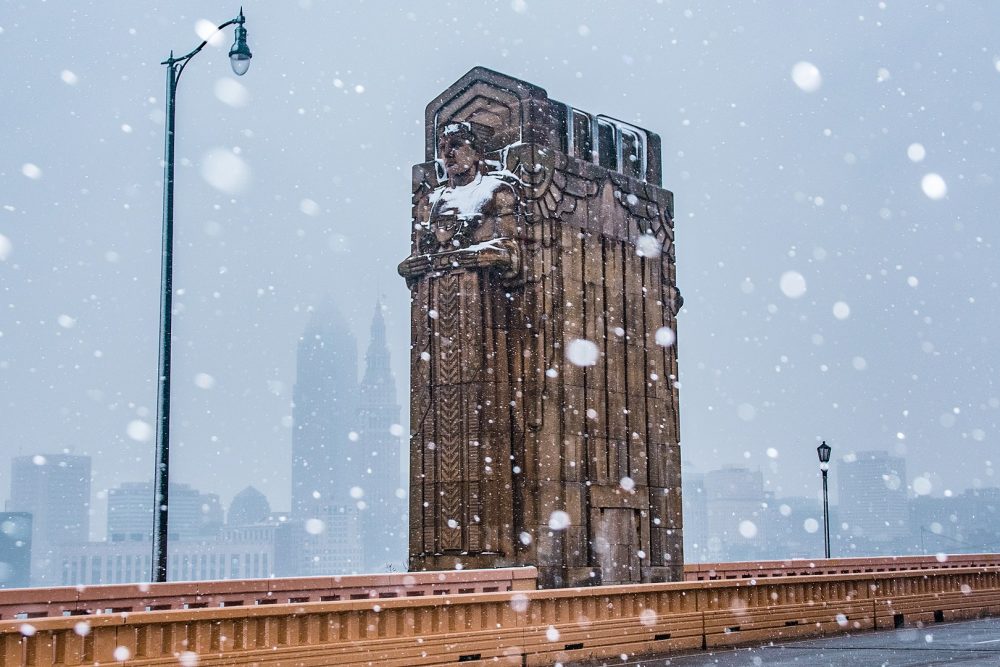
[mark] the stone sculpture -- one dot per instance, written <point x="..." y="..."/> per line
<point x="544" y="424"/>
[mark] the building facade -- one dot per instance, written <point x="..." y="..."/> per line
<point x="55" y="490"/>
<point x="15" y="550"/>
<point x="249" y="552"/>
<point x="872" y="500"/>
<point x="326" y="457"/>
<point x="191" y="514"/>
<point x="348" y="504"/>
<point x="734" y="499"/>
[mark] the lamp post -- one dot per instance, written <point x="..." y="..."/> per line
<point x="239" y="56"/>
<point x="824" y="465"/>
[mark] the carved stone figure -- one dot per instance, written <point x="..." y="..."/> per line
<point x="543" y="415"/>
<point x="472" y="221"/>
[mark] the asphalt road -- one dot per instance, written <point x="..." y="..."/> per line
<point x="964" y="643"/>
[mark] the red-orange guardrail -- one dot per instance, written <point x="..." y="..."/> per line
<point x="532" y="627"/>
<point x="86" y="600"/>
<point x="804" y="567"/>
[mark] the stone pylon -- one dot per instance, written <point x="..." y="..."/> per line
<point x="544" y="407"/>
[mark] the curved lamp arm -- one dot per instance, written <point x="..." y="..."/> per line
<point x="239" y="45"/>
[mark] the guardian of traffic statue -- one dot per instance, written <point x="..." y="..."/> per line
<point x="544" y="423"/>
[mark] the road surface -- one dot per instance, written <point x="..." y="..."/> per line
<point x="965" y="643"/>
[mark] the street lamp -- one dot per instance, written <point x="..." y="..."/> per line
<point x="239" y="57"/>
<point x="824" y="465"/>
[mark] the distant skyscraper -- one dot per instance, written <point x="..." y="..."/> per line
<point x="55" y="490"/>
<point x="734" y="500"/>
<point x="191" y="514"/>
<point x="15" y="550"/>
<point x="383" y="518"/>
<point x="871" y="490"/>
<point x="326" y="461"/>
<point x="695" y="510"/>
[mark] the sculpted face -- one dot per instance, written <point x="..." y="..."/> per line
<point x="461" y="159"/>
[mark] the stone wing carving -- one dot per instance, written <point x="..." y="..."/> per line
<point x="652" y="206"/>
<point x="550" y="185"/>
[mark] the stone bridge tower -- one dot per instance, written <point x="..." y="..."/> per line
<point x="544" y="409"/>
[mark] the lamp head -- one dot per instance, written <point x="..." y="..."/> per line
<point x="824" y="453"/>
<point x="239" y="55"/>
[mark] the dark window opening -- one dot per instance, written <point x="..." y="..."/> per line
<point x="606" y="148"/>
<point x="631" y="154"/>
<point x="583" y="137"/>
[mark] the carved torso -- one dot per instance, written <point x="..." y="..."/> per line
<point x="457" y="214"/>
<point x="470" y="226"/>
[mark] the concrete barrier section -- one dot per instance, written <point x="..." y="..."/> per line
<point x="517" y="627"/>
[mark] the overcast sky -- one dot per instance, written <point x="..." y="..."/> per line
<point x="836" y="228"/>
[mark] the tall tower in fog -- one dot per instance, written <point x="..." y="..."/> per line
<point x="871" y="488"/>
<point x="325" y="453"/>
<point x="55" y="489"/>
<point x="384" y="516"/>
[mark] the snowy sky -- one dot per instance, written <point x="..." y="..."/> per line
<point x="836" y="288"/>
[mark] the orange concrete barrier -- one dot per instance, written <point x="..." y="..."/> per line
<point x="85" y="600"/>
<point x="528" y="627"/>
<point x="804" y="567"/>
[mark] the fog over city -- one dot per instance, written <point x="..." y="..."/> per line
<point x="834" y="167"/>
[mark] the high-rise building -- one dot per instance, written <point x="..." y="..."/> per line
<point x="326" y="456"/>
<point x="15" y="550"/>
<point x="55" y="490"/>
<point x="191" y="514"/>
<point x="871" y="488"/>
<point x="383" y="515"/>
<point x="324" y="536"/>
<point x="695" y="516"/>
<point x="735" y="504"/>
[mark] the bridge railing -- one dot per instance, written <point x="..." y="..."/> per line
<point x="29" y="603"/>
<point x="531" y="627"/>
<point x="90" y="600"/>
<point x="806" y="567"/>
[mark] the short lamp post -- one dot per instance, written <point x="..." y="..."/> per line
<point x="239" y="57"/>
<point x="824" y="465"/>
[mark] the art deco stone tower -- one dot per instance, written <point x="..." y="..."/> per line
<point x="543" y="403"/>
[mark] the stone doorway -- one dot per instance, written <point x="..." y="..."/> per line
<point x="614" y="538"/>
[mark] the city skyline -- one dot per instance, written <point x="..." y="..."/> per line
<point x="731" y="517"/>
<point x="350" y="511"/>
<point x="828" y="296"/>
